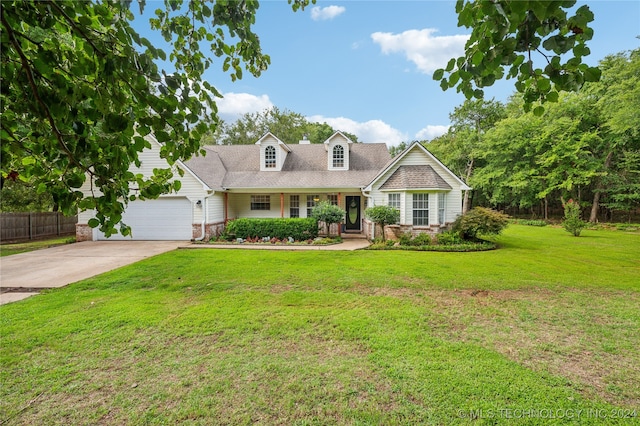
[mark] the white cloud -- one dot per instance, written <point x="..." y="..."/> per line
<point x="431" y="132"/>
<point x="326" y="13"/>
<point x="372" y="131"/>
<point x="233" y="105"/>
<point x="421" y="47"/>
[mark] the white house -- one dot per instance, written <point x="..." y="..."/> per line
<point x="273" y="179"/>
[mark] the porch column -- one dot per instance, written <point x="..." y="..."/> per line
<point x="281" y="204"/>
<point x="226" y="207"/>
<point x="339" y="225"/>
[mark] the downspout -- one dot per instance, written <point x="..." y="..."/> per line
<point x="205" y="203"/>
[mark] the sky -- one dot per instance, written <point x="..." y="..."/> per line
<point x="365" y="67"/>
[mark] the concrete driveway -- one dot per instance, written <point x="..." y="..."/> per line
<point x="25" y="273"/>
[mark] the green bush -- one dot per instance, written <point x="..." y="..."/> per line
<point x="328" y="213"/>
<point x="382" y="215"/>
<point x="296" y="228"/>
<point x="480" y="221"/>
<point x="405" y="239"/>
<point x="572" y="222"/>
<point x="449" y="238"/>
<point x="421" y="239"/>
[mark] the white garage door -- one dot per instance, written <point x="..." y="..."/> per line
<point x="162" y="219"/>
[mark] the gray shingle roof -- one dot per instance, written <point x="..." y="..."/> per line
<point x="415" y="177"/>
<point x="238" y="166"/>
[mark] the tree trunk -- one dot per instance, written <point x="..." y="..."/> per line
<point x="465" y="200"/>
<point x="593" y="217"/>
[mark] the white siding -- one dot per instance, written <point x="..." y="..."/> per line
<point x="337" y="140"/>
<point x="281" y="153"/>
<point x="215" y="208"/>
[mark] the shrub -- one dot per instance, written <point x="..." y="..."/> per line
<point x="296" y="228"/>
<point x="327" y="213"/>
<point x="449" y="238"/>
<point x="405" y="239"/>
<point x="572" y="222"/>
<point x="480" y="221"/>
<point x="382" y="215"/>
<point x="532" y="222"/>
<point x="421" y="240"/>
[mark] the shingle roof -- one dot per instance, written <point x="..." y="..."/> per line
<point x="238" y="166"/>
<point x="415" y="177"/>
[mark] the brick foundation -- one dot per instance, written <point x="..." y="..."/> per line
<point x="83" y="232"/>
<point x="393" y="232"/>
<point x="210" y="230"/>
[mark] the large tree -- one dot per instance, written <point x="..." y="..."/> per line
<point x="541" y="43"/>
<point x="288" y="126"/>
<point x="80" y="88"/>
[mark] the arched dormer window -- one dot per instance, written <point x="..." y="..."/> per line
<point x="269" y="157"/>
<point x="338" y="156"/>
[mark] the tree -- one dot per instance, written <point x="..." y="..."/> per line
<point x="80" y="88"/>
<point x="572" y="222"/>
<point x="383" y="216"/>
<point x="328" y="213"/>
<point x="617" y="98"/>
<point x="505" y="37"/>
<point x="288" y="126"/>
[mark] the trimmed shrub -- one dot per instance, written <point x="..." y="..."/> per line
<point x="382" y="215"/>
<point x="296" y="228"/>
<point x="572" y="222"/>
<point x="328" y="213"/>
<point x="480" y="221"/>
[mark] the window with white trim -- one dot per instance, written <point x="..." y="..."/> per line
<point x="441" y="216"/>
<point x="269" y="157"/>
<point x="421" y="209"/>
<point x="393" y="200"/>
<point x="260" y="202"/>
<point x="294" y="206"/>
<point x="333" y="199"/>
<point x="338" y="156"/>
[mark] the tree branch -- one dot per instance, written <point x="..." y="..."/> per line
<point x="34" y="89"/>
<point x="77" y="29"/>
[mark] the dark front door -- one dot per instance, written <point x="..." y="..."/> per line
<point x="353" y="213"/>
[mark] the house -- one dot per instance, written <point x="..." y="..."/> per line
<point x="273" y="179"/>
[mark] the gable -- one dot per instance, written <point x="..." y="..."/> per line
<point x="436" y="174"/>
<point x="415" y="177"/>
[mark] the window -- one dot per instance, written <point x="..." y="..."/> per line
<point x="311" y="203"/>
<point x="269" y="157"/>
<point x="441" y="216"/>
<point x="333" y="199"/>
<point x="394" y="201"/>
<point x="338" y="156"/>
<point x="260" y="202"/>
<point x="420" y="209"/>
<point x="294" y="206"/>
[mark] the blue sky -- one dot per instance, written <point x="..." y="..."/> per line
<point x="365" y="67"/>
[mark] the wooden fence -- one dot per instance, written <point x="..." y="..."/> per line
<point x="31" y="226"/>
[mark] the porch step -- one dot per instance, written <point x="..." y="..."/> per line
<point x="353" y="235"/>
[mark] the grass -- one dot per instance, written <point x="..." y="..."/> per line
<point x="547" y="325"/>
<point x="15" y="248"/>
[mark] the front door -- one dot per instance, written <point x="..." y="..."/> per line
<point x="353" y="213"/>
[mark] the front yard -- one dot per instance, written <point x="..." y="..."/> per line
<point x="545" y="327"/>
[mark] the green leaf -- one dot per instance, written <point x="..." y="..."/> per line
<point x="438" y="74"/>
<point x="592" y="74"/>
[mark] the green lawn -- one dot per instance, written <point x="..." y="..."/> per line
<point x="15" y="248"/>
<point x="546" y="326"/>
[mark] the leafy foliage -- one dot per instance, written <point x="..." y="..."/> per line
<point x="573" y="222"/>
<point x="328" y="213"/>
<point x="19" y="196"/>
<point x="382" y="215"/>
<point x="505" y="37"/>
<point x="296" y="228"/>
<point x="422" y="239"/>
<point x="480" y="221"/>
<point x="81" y="89"/>
<point x="289" y="126"/>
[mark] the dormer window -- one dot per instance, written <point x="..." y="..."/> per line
<point x="338" y="156"/>
<point x="270" y="157"/>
